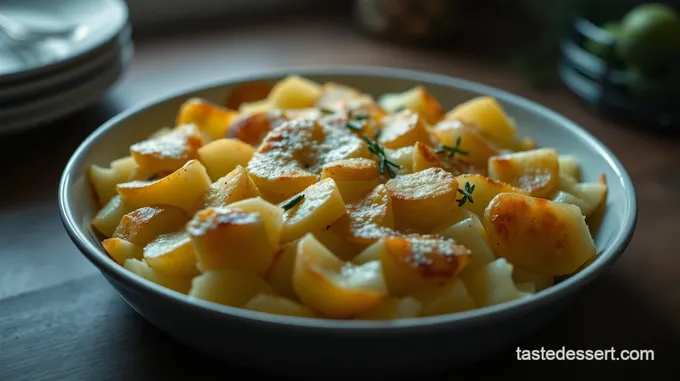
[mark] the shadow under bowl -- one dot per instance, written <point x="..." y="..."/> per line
<point x="315" y="348"/>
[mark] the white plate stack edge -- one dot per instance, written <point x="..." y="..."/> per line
<point x="43" y="81"/>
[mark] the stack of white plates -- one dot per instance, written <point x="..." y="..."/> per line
<point x="45" y="75"/>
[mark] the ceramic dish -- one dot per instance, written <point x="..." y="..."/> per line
<point x="303" y="347"/>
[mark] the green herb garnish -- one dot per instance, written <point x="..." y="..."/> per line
<point x="355" y="121"/>
<point x="354" y="125"/>
<point x="385" y="163"/>
<point x="326" y="111"/>
<point x="292" y="202"/>
<point x="467" y="194"/>
<point x="451" y="150"/>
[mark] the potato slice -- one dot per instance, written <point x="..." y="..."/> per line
<point x="587" y="196"/>
<point x="414" y="263"/>
<point x="538" y="281"/>
<point x="142" y="269"/>
<point x="223" y="155"/>
<point x="229" y="287"/>
<point x="292" y="155"/>
<point x="182" y="188"/>
<point x="251" y="128"/>
<point x="143" y="225"/>
<point x="332" y="94"/>
<point x="402" y="156"/>
<point x="492" y="284"/>
<point x="248" y="92"/>
<point x="425" y="157"/>
<point x="212" y="120"/>
<point x="332" y="287"/>
<point x="488" y="115"/>
<point x="255" y="107"/>
<point x="294" y="92"/>
<point x="233" y="187"/>
<point x="403" y="129"/>
<point x="539" y="235"/>
<point x="568" y="166"/>
<point x="169" y="152"/>
<point x="417" y="99"/>
<point x="367" y="219"/>
<point x="471" y="234"/>
<point x="320" y="206"/>
<point x="535" y="171"/>
<point x="422" y="199"/>
<point x="353" y="177"/>
<point x="270" y="213"/>
<point x="392" y="308"/>
<point x="227" y="238"/>
<point x="485" y="190"/>
<point x="280" y="273"/>
<point x="124" y="167"/>
<point x="439" y="300"/>
<point x="173" y="254"/>
<point x="121" y="250"/>
<point x="107" y="218"/>
<point x="104" y="181"/>
<point x="478" y="149"/>
<point x="338" y="243"/>
<point x="277" y="305"/>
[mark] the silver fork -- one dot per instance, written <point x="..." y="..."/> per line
<point x="19" y="32"/>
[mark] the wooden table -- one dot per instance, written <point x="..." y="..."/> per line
<point x="60" y="320"/>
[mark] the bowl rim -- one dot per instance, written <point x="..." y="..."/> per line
<point x="112" y="270"/>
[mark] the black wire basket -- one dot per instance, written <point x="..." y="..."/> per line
<point x="612" y="89"/>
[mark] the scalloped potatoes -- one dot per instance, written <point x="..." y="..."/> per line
<point x="316" y="200"/>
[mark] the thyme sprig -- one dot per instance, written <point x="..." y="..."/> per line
<point x="467" y="194"/>
<point x="452" y="150"/>
<point x="292" y="202"/>
<point x="385" y="163"/>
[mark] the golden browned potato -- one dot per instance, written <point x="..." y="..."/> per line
<point x="280" y="273"/>
<point x="168" y="152"/>
<point x="422" y="199"/>
<point x="569" y="167"/>
<point x="333" y="288"/>
<point x="449" y="298"/>
<point x="141" y="268"/>
<point x="485" y="190"/>
<point x="417" y="100"/>
<point x="492" y="284"/>
<point x="142" y="225"/>
<point x="292" y="155"/>
<point x="477" y="148"/>
<point x="251" y="128"/>
<point x="535" y="171"/>
<point x="248" y="92"/>
<point x="277" y="305"/>
<point x="235" y="186"/>
<point x="367" y="219"/>
<point x="227" y="238"/>
<point x="270" y="213"/>
<point x="107" y="218"/>
<point x="414" y="263"/>
<point x="488" y="115"/>
<point x="294" y="92"/>
<point x="425" y="157"/>
<point x="223" y="155"/>
<point x="124" y="167"/>
<point x="353" y="177"/>
<point x="121" y="250"/>
<point x="182" y="188"/>
<point x="393" y="308"/>
<point x="229" y="287"/>
<point x="256" y="107"/>
<point x="471" y="234"/>
<point x="403" y="129"/>
<point x="538" y="235"/>
<point x="332" y="94"/>
<point x="172" y="253"/>
<point x="319" y="205"/>
<point x="212" y="120"/>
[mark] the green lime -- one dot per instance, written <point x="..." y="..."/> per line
<point x="649" y="35"/>
<point x="599" y="49"/>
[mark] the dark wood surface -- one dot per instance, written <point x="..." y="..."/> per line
<point x="60" y="320"/>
